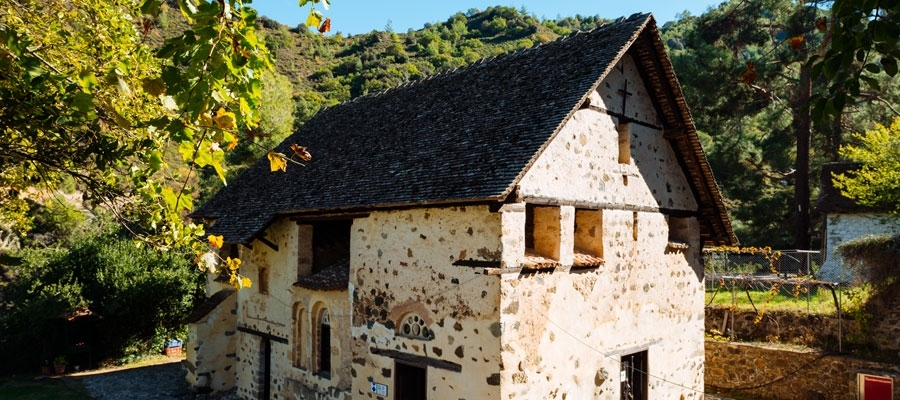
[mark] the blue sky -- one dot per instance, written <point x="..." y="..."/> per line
<point x="353" y="17"/>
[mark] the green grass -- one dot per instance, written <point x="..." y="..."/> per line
<point x="784" y="299"/>
<point x="25" y="387"/>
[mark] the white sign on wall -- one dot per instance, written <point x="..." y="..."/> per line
<point x="379" y="389"/>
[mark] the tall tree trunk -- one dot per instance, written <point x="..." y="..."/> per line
<point x="801" y="183"/>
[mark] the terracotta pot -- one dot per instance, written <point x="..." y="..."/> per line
<point x="46" y="369"/>
<point x="60" y="369"/>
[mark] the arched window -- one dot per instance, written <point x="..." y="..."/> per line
<point x="414" y="326"/>
<point x="323" y="353"/>
<point x="299" y="344"/>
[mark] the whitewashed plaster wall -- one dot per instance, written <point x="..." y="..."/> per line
<point x="564" y="333"/>
<point x="841" y="228"/>
<point x="401" y="263"/>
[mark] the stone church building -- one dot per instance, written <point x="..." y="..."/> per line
<point x="527" y="227"/>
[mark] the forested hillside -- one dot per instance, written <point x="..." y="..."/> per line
<point x="748" y="126"/>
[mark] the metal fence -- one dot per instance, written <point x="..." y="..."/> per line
<point x="783" y="263"/>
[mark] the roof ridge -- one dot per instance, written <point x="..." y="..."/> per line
<point x="488" y="60"/>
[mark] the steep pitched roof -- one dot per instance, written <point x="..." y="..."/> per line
<point x="460" y="137"/>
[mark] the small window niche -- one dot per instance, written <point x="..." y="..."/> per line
<point x="624" y="130"/>
<point x="299" y="335"/>
<point x="634" y="226"/>
<point x="542" y="231"/>
<point x="263" y="280"/>
<point x="634" y="376"/>
<point x="679" y="233"/>
<point x="588" y="238"/>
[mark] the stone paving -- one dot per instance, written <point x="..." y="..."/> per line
<point x="163" y="381"/>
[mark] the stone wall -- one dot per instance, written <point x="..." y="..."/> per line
<point x="402" y="266"/>
<point x="777" y="373"/>
<point x="566" y="331"/>
<point x="879" y="333"/>
<point x="210" y="347"/>
<point x="840" y="228"/>
<point x="784" y="327"/>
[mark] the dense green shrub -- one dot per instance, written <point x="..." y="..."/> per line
<point x="141" y="294"/>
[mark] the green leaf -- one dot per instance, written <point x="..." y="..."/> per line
<point x="890" y="65"/>
<point x="151" y="7"/>
<point x="83" y="102"/>
<point x="186" y="149"/>
<point x="872" y="82"/>
<point x="188" y="9"/>
<point x="873" y="68"/>
<point x="87" y="80"/>
<point x="155" y="160"/>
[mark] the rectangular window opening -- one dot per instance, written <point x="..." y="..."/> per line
<point x="331" y="243"/>
<point x="589" y="232"/>
<point x="542" y="231"/>
<point x="679" y="231"/>
<point x="633" y="377"/>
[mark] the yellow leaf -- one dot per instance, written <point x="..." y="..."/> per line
<point x="224" y="119"/>
<point x="215" y="241"/>
<point x="314" y="18"/>
<point x="276" y="161"/>
<point x="233" y="263"/>
<point x="205" y="120"/>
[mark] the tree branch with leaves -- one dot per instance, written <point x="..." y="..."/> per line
<point x="83" y="95"/>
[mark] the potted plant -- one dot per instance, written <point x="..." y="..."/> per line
<point x="59" y="364"/>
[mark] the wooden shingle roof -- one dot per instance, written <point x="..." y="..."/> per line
<point x="465" y="136"/>
<point x="333" y="277"/>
